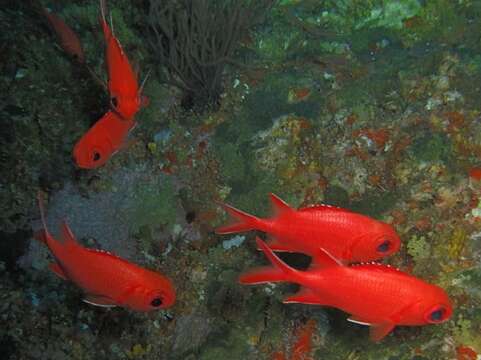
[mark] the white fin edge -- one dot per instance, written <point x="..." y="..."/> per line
<point x="99" y="305"/>
<point x="359" y="322"/>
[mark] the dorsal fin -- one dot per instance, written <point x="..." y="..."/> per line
<point x="67" y="235"/>
<point x="279" y="206"/>
<point x="103" y="9"/>
<point x="325" y="259"/>
<point x="385" y="268"/>
<point x="323" y="207"/>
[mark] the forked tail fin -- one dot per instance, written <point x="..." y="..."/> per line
<point x="279" y="272"/>
<point x="245" y="221"/>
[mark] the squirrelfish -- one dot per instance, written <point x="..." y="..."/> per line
<point x="349" y="236"/>
<point x="374" y="294"/>
<point x="106" y="280"/>
<point x="125" y="94"/>
<point x="67" y="38"/>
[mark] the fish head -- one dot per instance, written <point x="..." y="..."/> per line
<point x="381" y="241"/>
<point x="91" y="152"/>
<point x="157" y="292"/>
<point x="434" y="307"/>
<point x="161" y="298"/>
<point x="126" y="106"/>
<point x="95" y="147"/>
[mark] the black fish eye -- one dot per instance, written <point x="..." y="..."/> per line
<point x="156" y="302"/>
<point x="384" y="246"/>
<point x="437" y="315"/>
<point x="96" y="156"/>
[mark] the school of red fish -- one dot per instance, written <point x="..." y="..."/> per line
<point x="374" y="294"/>
<point x="342" y="244"/>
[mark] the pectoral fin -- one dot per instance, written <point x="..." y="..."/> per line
<point x="378" y="331"/>
<point x="99" y="300"/>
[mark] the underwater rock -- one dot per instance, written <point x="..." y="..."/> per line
<point x="108" y="216"/>
<point x="190" y="332"/>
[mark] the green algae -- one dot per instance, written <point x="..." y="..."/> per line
<point x="374" y="203"/>
<point x="156" y="203"/>
<point x="432" y="148"/>
<point x="390" y="15"/>
<point x="418" y="248"/>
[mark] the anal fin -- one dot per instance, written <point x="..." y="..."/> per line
<point x="277" y="245"/>
<point x="57" y="270"/>
<point x="357" y="320"/>
<point x="378" y="331"/>
<point x="304" y="296"/>
<point x="99" y="300"/>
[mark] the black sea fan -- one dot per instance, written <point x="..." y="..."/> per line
<point x="195" y="39"/>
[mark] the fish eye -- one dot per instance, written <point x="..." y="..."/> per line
<point x="114" y="102"/>
<point x="96" y="156"/>
<point x="156" y="302"/>
<point x="437" y="315"/>
<point x="385" y="246"/>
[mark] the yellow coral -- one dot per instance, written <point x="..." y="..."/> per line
<point x="456" y="243"/>
<point x="138" y="350"/>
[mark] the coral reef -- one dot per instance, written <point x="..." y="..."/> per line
<point x="369" y="105"/>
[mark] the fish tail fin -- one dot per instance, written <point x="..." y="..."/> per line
<point x="245" y="221"/>
<point x="279" y="272"/>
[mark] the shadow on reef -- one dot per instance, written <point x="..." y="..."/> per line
<point x="12" y="246"/>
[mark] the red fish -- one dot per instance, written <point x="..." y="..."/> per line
<point x="125" y="95"/>
<point x="107" y="280"/>
<point x="101" y="141"/>
<point x="66" y="36"/>
<point x="349" y="236"/>
<point x="374" y="294"/>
